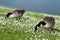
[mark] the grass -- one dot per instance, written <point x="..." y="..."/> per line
<point x="12" y="29"/>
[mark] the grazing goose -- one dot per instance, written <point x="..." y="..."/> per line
<point x="48" y="23"/>
<point x="15" y="14"/>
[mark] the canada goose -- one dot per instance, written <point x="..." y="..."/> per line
<point x="48" y="23"/>
<point x="15" y="14"/>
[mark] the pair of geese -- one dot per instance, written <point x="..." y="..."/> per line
<point x="47" y="22"/>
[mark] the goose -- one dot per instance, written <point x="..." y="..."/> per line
<point x="47" y="23"/>
<point x="15" y="14"/>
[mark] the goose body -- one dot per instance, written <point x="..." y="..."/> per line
<point x="48" y="23"/>
<point x="15" y="14"/>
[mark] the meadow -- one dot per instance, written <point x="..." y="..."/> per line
<point x="23" y="29"/>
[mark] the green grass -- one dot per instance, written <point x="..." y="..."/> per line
<point x="12" y="29"/>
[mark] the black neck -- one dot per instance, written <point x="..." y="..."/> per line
<point x="38" y="25"/>
<point x="8" y="14"/>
